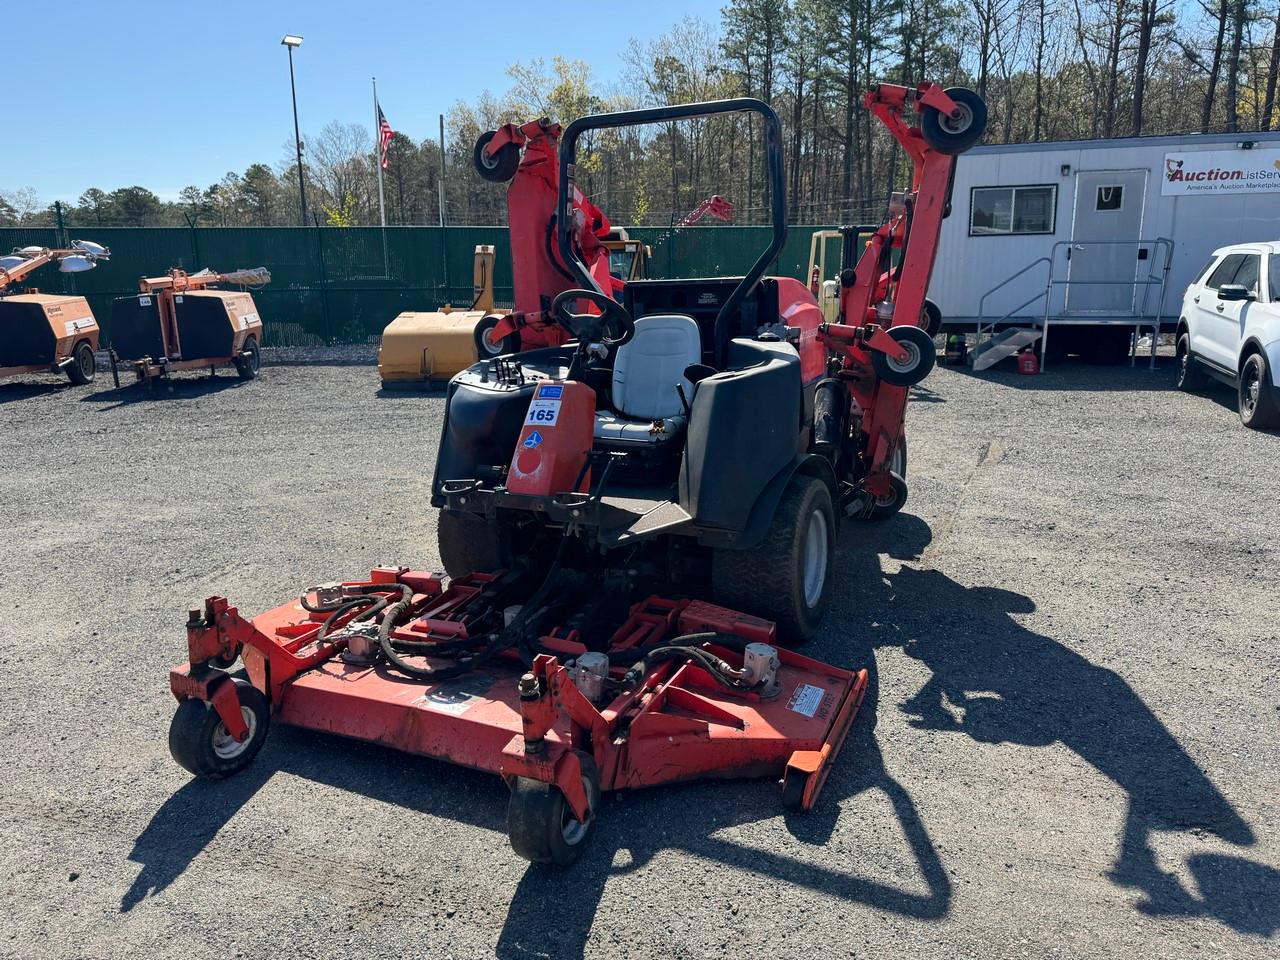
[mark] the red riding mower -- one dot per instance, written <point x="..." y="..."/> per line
<point x="632" y="524"/>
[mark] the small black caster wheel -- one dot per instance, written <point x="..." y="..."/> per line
<point x="199" y="740"/>
<point x="225" y="661"/>
<point x="250" y="359"/>
<point x="540" y="823"/>
<point x="921" y="356"/>
<point x="793" y="784"/>
<point x="955" y="134"/>
<point x="886" y="506"/>
<point x="932" y="318"/>
<point x="487" y="347"/>
<point x="500" y="167"/>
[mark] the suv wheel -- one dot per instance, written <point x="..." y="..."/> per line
<point x="1259" y="408"/>
<point x="1190" y="376"/>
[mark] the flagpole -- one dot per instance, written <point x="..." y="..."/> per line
<point x="377" y="162"/>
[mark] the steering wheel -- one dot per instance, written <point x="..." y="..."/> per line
<point x="612" y="327"/>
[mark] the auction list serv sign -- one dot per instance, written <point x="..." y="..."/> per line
<point x="1221" y="171"/>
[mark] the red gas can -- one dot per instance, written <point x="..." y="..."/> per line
<point x="555" y="440"/>
<point x="1028" y="362"/>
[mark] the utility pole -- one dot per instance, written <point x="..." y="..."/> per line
<point x="290" y="41"/>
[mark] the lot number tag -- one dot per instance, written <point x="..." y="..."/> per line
<point x="543" y="413"/>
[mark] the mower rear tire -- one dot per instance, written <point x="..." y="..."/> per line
<point x="488" y="348"/>
<point x="84" y="365"/>
<point x="200" y="743"/>
<point x="787" y="576"/>
<point x="922" y="355"/>
<point x="953" y="135"/>
<point x="499" y="168"/>
<point x="540" y="823"/>
<point x="468" y="543"/>
<point x="250" y="359"/>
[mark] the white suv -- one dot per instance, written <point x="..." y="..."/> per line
<point x="1230" y="329"/>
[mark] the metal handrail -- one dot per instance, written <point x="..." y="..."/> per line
<point x="983" y="299"/>
<point x="1140" y="316"/>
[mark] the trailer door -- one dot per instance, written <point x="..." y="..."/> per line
<point x="1105" y="257"/>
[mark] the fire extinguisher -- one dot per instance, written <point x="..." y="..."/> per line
<point x="1028" y="362"/>
<point x="814" y="278"/>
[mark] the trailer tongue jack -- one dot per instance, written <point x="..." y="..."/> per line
<point x="682" y="689"/>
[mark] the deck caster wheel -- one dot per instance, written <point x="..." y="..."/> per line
<point x="954" y="134"/>
<point x="200" y="743"/>
<point x="487" y="347"/>
<point x="886" y="506"/>
<point x="84" y="365"/>
<point x="932" y="318"/>
<point x="921" y="356"/>
<point x="250" y="359"/>
<point x="540" y="823"/>
<point x="499" y="168"/>
<point x="793" y="784"/>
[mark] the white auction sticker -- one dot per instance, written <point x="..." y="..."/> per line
<point x="71" y="326"/>
<point x="806" y="700"/>
<point x="543" y="413"/>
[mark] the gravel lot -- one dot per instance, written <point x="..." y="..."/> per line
<point x="1069" y="747"/>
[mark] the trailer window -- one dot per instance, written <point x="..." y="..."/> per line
<point x="1110" y="198"/>
<point x="1006" y="211"/>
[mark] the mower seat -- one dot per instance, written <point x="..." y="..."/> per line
<point x="645" y="374"/>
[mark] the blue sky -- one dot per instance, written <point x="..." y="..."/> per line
<point x="163" y="95"/>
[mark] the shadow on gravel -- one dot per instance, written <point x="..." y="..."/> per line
<point x="992" y="680"/>
<point x="188" y="821"/>
<point x="10" y="392"/>
<point x="174" y="388"/>
<point x="998" y="682"/>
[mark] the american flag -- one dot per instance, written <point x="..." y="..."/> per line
<point x="385" y="133"/>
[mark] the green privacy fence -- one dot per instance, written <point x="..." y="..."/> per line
<point x="330" y="284"/>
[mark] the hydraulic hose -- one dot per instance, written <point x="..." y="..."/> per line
<point x="690" y="646"/>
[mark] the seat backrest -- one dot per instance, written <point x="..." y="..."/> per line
<point x="646" y="370"/>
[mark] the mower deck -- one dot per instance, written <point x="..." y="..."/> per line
<point x="534" y="722"/>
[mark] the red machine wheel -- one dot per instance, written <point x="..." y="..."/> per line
<point x="200" y="743"/>
<point x="886" y="507"/>
<point x="250" y="360"/>
<point x="932" y="318"/>
<point x="955" y="134"/>
<point x="499" y="168"/>
<point x="540" y="824"/>
<point x="922" y="356"/>
<point x="487" y="347"/>
<point x="84" y="365"/>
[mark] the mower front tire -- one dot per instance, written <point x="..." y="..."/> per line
<point x="467" y="543"/>
<point x="786" y="577"/>
<point x="540" y="823"/>
<point x="84" y="365"/>
<point x="250" y="359"/>
<point x="199" y="740"/>
<point x="487" y="347"/>
<point x="953" y="135"/>
<point x="885" y="507"/>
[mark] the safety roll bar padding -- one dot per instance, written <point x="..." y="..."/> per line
<point x="684" y="111"/>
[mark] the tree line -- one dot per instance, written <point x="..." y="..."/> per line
<point x="1049" y="70"/>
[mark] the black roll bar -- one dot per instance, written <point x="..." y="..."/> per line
<point x="684" y="111"/>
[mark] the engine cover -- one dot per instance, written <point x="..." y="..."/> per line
<point x="555" y="441"/>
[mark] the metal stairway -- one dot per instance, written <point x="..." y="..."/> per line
<point x="1003" y="344"/>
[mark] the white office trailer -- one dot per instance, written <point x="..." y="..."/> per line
<point x="1080" y="244"/>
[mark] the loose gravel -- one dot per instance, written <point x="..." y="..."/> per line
<point x="1069" y="748"/>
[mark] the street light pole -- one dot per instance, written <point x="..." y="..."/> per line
<point x="290" y="41"/>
